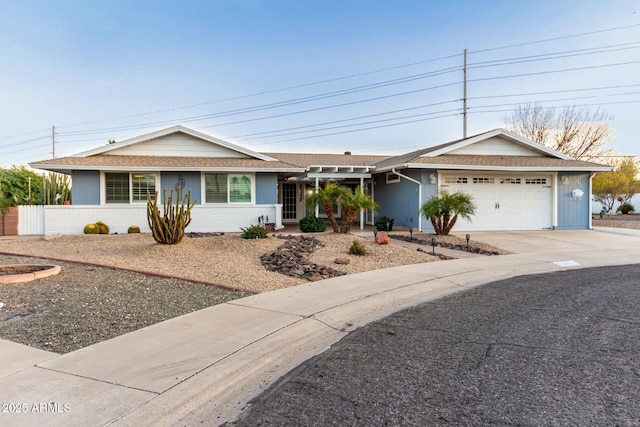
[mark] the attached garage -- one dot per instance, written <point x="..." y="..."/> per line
<point x="504" y="201"/>
<point x="515" y="183"/>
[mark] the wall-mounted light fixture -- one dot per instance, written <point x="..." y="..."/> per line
<point x="565" y="180"/>
<point x="577" y="194"/>
<point x="432" y="178"/>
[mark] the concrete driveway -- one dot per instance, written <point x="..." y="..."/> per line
<point x="206" y="366"/>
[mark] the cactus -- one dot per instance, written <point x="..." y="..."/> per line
<point x="133" y="229"/>
<point x="168" y="227"/>
<point x="104" y="228"/>
<point x="55" y="189"/>
<point x="91" y="229"/>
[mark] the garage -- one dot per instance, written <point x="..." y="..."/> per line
<point x="503" y="202"/>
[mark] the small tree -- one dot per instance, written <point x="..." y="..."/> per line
<point x="618" y="185"/>
<point x="352" y="202"/>
<point x="327" y="196"/>
<point x="22" y="184"/>
<point x="444" y="210"/>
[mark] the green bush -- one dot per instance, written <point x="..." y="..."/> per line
<point x="133" y="229"/>
<point x="357" y="248"/>
<point x="103" y="228"/>
<point x="91" y="229"/>
<point x="626" y="208"/>
<point x="254" y="232"/>
<point x="312" y="224"/>
<point x="384" y="223"/>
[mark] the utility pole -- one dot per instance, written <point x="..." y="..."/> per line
<point x="53" y="141"/>
<point x="464" y="97"/>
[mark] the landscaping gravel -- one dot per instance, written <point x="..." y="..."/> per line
<point x="85" y="304"/>
<point x="89" y="303"/>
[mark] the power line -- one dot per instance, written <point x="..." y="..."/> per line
<point x="555" y="38"/>
<point x="360" y="130"/>
<point x="346" y="120"/>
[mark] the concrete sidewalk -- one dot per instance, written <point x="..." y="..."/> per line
<point x="206" y="366"/>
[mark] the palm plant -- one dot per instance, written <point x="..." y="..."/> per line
<point x="327" y="196"/>
<point x="444" y="210"/>
<point x="352" y="203"/>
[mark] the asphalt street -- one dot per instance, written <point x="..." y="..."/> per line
<point x="552" y="349"/>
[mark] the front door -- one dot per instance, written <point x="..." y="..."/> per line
<point x="289" y="202"/>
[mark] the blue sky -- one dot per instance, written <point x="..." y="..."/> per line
<point x="101" y="70"/>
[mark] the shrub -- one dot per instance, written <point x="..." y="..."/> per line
<point x="312" y="224"/>
<point x="357" y="248"/>
<point x="133" y="229"/>
<point x="254" y="232"/>
<point x="626" y="208"/>
<point x="384" y="224"/>
<point x="103" y="228"/>
<point x="91" y="229"/>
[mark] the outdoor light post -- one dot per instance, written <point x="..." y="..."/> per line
<point x="468" y="236"/>
<point x="411" y="234"/>
<point x="433" y="245"/>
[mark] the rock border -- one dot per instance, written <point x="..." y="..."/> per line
<point x="457" y="247"/>
<point x="43" y="271"/>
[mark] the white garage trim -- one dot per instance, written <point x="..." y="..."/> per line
<point x="504" y="201"/>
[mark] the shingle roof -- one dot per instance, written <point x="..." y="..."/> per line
<point x="505" y="162"/>
<point x="102" y="161"/>
<point x="309" y="159"/>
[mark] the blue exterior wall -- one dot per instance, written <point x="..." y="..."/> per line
<point x="192" y="181"/>
<point x="266" y="188"/>
<point x="573" y="214"/>
<point x="400" y="200"/>
<point x="85" y="188"/>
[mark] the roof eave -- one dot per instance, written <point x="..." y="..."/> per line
<point x="497" y="168"/>
<point x="69" y="168"/>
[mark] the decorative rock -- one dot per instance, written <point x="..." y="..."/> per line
<point x="382" y="238"/>
<point x="343" y="261"/>
<point x="291" y="259"/>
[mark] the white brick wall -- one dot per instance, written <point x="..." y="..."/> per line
<point x="225" y="218"/>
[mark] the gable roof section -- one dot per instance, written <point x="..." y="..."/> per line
<point x="159" y="163"/>
<point x="440" y="157"/>
<point x="506" y="163"/>
<point x="168" y="131"/>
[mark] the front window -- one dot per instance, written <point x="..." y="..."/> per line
<point x="227" y="188"/>
<point x="141" y="184"/>
<point x="128" y="188"/>
<point x="117" y="187"/>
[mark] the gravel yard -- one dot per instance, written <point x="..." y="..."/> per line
<point x="618" y="221"/>
<point x="86" y="304"/>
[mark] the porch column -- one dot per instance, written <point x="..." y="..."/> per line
<point x="362" y="210"/>
<point x="317" y="207"/>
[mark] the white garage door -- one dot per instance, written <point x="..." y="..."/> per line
<point x="503" y="202"/>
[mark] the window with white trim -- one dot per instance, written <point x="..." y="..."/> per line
<point x="228" y="188"/>
<point x="141" y="183"/>
<point x="455" y="180"/>
<point x="392" y="178"/>
<point x="510" y="181"/>
<point x="535" y="181"/>
<point x="124" y="187"/>
<point x="117" y="187"/>
<point x="483" y="180"/>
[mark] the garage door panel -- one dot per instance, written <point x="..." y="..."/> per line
<point x="506" y="203"/>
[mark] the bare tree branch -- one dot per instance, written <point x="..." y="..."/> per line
<point x="576" y="132"/>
